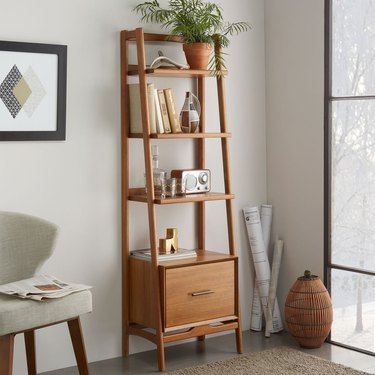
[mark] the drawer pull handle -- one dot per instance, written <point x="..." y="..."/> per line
<point x="195" y="294"/>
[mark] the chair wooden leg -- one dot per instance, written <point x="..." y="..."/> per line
<point x="6" y="354"/>
<point x="30" y="352"/>
<point x="78" y="346"/>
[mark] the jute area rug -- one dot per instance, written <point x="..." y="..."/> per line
<point x="279" y="361"/>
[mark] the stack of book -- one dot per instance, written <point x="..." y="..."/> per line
<point x="163" y="114"/>
<point x="180" y="254"/>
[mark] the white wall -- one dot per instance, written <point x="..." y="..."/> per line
<point x="294" y="103"/>
<point x="76" y="183"/>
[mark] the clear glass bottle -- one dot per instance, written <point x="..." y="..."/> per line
<point x="158" y="173"/>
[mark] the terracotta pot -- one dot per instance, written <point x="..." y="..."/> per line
<point x="308" y="311"/>
<point x="197" y="54"/>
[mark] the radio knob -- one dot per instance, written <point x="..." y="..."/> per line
<point x="203" y="178"/>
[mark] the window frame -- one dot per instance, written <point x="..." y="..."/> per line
<point x="329" y="99"/>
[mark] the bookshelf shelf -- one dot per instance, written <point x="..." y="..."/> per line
<point x="184" y="135"/>
<point x="171" y="300"/>
<point x="139" y="195"/>
<point x="203" y="257"/>
<point x="172" y="72"/>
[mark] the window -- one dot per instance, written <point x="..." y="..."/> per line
<point x="350" y="170"/>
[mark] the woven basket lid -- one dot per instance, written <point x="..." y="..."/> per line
<point x="308" y="276"/>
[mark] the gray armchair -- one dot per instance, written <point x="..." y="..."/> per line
<point x="26" y="242"/>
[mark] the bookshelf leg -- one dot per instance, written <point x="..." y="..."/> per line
<point x="161" y="357"/>
<point x="239" y="340"/>
<point x="125" y="342"/>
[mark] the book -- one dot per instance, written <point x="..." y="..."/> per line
<point x="164" y="111"/>
<point x="151" y="107"/>
<point x="181" y="254"/>
<point x="159" y="118"/>
<point x="135" y="112"/>
<point x="172" y="111"/>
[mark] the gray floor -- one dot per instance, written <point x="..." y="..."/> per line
<point x="214" y="349"/>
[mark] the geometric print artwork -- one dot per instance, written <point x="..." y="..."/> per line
<point x="6" y="91"/>
<point x="22" y="91"/>
<point x="19" y="91"/>
<point x="37" y="92"/>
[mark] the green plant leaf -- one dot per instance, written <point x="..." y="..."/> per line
<point x="194" y="21"/>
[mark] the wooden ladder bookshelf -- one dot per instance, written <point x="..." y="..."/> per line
<point x="164" y="301"/>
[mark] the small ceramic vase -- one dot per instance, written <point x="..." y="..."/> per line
<point x="190" y="112"/>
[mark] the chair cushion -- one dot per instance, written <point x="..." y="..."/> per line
<point x="17" y="315"/>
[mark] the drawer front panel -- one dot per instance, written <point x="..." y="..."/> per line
<point x="199" y="293"/>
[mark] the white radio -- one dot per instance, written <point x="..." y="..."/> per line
<point x="196" y="180"/>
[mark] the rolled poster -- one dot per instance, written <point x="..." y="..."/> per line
<point x="256" y="307"/>
<point x="261" y="264"/>
<point x="271" y="324"/>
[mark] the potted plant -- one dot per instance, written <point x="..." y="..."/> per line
<point x="201" y="26"/>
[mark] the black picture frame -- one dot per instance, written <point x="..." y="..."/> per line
<point x="34" y="52"/>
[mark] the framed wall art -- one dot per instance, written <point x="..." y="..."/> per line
<point x="32" y="91"/>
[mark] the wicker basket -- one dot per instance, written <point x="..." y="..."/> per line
<point x="308" y="311"/>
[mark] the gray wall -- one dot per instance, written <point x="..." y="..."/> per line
<point x="294" y="115"/>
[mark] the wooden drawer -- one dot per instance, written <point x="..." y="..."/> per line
<point x="199" y="293"/>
